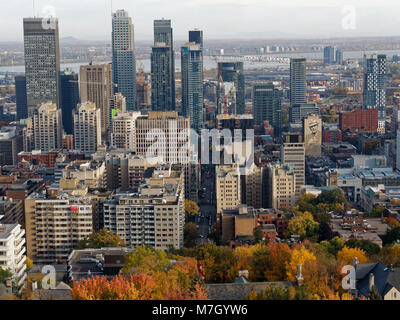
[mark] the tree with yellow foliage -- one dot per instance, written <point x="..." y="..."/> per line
<point x="347" y="255"/>
<point x="300" y="255"/>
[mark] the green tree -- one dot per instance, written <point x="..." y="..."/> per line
<point x="304" y="226"/>
<point x="101" y="239"/>
<point x="190" y="235"/>
<point x="392" y="236"/>
<point x="332" y="197"/>
<point x="4" y="274"/>
<point x="258" y="235"/>
<point x="378" y="211"/>
<point x="369" y="247"/>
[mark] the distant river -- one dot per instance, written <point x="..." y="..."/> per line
<point x="209" y="62"/>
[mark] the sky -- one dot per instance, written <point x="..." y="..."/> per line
<point x="219" y="19"/>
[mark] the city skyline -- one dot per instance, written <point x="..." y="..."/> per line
<point x="259" y="19"/>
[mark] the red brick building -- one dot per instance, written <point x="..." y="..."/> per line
<point x="37" y="158"/>
<point x="332" y="136"/>
<point x="359" y="120"/>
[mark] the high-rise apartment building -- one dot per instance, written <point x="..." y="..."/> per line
<point x="96" y="85"/>
<point x="293" y="153"/>
<point x="233" y="72"/>
<point x="374" y="95"/>
<point x="281" y="186"/>
<point x="228" y="187"/>
<point x="47" y="128"/>
<point x="69" y="98"/>
<point x="163" y="67"/>
<point x="21" y="98"/>
<point x="13" y="253"/>
<point x="55" y="224"/>
<point x="192" y="84"/>
<point x="124" y="59"/>
<point x="267" y="106"/>
<point x="153" y="216"/>
<point x="87" y="127"/>
<point x="123" y="130"/>
<point x="42" y="62"/>
<point x="298" y="81"/>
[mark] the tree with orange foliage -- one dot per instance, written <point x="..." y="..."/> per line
<point x="279" y="256"/>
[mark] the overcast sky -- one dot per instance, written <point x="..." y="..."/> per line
<point x="91" y="19"/>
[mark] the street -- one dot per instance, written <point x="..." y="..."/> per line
<point x="207" y="215"/>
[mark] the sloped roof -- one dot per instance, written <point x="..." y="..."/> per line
<point x="384" y="278"/>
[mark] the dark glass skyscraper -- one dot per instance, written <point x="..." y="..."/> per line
<point x="298" y="81"/>
<point x="42" y="62"/>
<point x="192" y="84"/>
<point x="196" y="36"/>
<point x="233" y="72"/>
<point x="163" y="67"/>
<point x="69" y="98"/>
<point x="267" y="106"/>
<point x="329" y="55"/>
<point x="124" y="60"/>
<point x="20" y="92"/>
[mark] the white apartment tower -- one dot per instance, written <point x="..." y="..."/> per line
<point x="47" y="128"/>
<point x="87" y="127"/>
<point x="123" y="131"/>
<point x="12" y="252"/>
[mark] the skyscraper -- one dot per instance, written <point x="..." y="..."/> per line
<point x="87" y="127"/>
<point x="339" y="56"/>
<point x="69" y="98"/>
<point x="192" y="84"/>
<point x="196" y="36"/>
<point x="42" y="62"/>
<point x="267" y="106"/>
<point x="163" y="67"/>
<point x="374" y="95"/>
<point x="21" y="101"/>
<point x="329" y="55"/>
<point x="96" y="86"/>
<point x="161" y="88"/>
<point x="233" y="72"/>
<point x="124" y="60"/>
<point x="298" y="82"/>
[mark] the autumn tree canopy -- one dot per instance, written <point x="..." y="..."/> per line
<point x="101" y="239"/>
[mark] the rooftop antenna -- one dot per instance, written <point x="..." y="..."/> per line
<point x="34" y="11"/>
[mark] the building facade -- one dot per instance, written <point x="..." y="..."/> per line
<point x="47" y="128"/>
<point x="298" y="81"/>
<point x="267" y="106"/>
<point x="192" y="84"/>
<point x="96" y="85"/>
<point x="42" y="62"/>
<point x="124" y="59"/>
<point x="375" y="83"/>
<point x="87" y="127"/>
